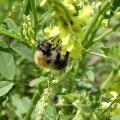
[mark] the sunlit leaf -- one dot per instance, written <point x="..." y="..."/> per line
<point x="117" y="117"/>
<point x="77" y="50"/>
<point x="84" y="14"/>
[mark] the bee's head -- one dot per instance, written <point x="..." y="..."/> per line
<point x="45" y="47"/>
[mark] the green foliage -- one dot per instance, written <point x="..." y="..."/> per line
<point x="88" y="88"/>
<point x="117" y="117"/>
<point x="9" y="28"/>
<point x="38" y="81"/>
<point x="5" y="86"/>
<point x="21" y="104"/>
<point x="7" y="65"/>
<point x="51" y="113"/>
<point x="22" y="49"/>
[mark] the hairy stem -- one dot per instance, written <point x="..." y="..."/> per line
<point x="108" y="108"/>
<point x="32" y="105"/>
<point x="93" y="22"/>
<point x="90" y="41"/>
<point x="77" y="68"/>
<point x="101" y="55"/>
<point x="109" y="79"/>
<point x="114" y="28"/>
<point x="32" y="2"/>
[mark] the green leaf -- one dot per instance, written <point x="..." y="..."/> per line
<point x="85" y="84"/>
<point x="5" y="86"/>
<point x="7" y="66"/>
<point x="12" y="26"/>
<point x="115" y="5"/>
<point x="90" y="75"/>
<point x="10" y="29"/>
<point x="62" y="116"/>
<point x="21" y="104"/>
<point x="51" y="113"/>
<point x="8" y="33"/>
<point x="38" y="81"/>
<point x="22" y="49"/>
<point x="115" y="51"/>
<point x="117" y="117"/>
<point x="106" y="50"/>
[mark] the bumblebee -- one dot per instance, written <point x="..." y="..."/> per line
<point x="49" y="55"/>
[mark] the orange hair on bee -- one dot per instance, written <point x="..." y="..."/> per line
<point x="40" y="59"/>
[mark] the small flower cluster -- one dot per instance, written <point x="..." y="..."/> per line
<point x="68" y="19"/>
<point x="43" y="103"/>
<point x="28" y="31"/>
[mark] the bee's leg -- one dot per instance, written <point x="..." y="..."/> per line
<point x="61" y="59"/>
<point x="64" y="59"/>
<point x="53" y="48"/>
<point x="67" y="54"/>
<point x="57" y="59"/>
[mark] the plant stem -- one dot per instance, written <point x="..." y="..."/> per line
<point x="108" y="108"/>
<point x="101" y="55"/>
<point x="93" y="33"/>
<point x="77" y="68"/>
<point x="106" y="33"/>
<point x="33" y="5"/>
<point x="32" y="105"/>
<point x="109" y="79"/>
<point x="93" y="22"/>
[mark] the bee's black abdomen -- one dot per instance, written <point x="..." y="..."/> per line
<point x="57" y="58"/>
<point x="61" y="60"/>
<point x="65" y="59"/>
<point x="67" y="54"/>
